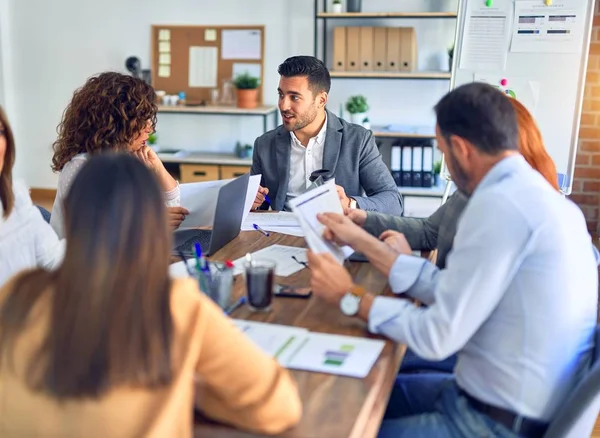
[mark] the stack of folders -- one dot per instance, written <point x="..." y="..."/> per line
<point x="411" y="164"/>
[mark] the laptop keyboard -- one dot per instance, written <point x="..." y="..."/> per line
<point x="202" y="237"/>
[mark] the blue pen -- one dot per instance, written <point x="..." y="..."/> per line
<point x="239" y="303"/>
<point x="267" y="199"/>
<point x="257" y="228"/>
<point x="201" y="271"/>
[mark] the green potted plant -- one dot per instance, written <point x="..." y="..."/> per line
<point x="152" y="138"/>
<point x="243" y="151"/>
<point x="357" y="107"/>
<point x="437" y="169"/>
<point x="247" y="90"/>
<point x="450" y="56"/>
<point x="336" y="7"/>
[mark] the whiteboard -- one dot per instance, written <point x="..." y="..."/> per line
<point x="537" y="52"/>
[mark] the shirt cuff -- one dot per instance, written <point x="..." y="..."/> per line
<point x="385" y="310"/>
<point x="405" y="272"/>
<point x="172" y="197"/>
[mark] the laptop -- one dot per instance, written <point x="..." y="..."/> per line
<point x="227" y="222"/>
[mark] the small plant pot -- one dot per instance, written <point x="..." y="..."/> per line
<point x="450" y="63"/>
<point x="357" y="118"/>
<point x="336" y="8"/>
<point x="247" y="98"/>
<point x="437" y="180"/>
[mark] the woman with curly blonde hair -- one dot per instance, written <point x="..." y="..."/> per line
<point x="111" y="112"/>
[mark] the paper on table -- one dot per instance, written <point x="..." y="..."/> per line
<point x="486" y="37"/>
<point x="335" y="354"/>
<point x="281" y="255"/>
<point x="278" y="341"/>
<point x="322" y="199"/>
<point x="177" y="270"/>
<point x="201" y="200"/>
<point x="290" y="231"/>
<point x="542" y="29"/>
<point x="281" y="222"/>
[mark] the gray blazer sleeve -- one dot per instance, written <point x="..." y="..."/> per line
<point x="421" y="234"/>
<point x="377" y="181"/>
<point x="256" y="167"/>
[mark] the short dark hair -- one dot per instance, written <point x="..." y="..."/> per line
<point x="481" y="114"/>
<point x="313" y="68"/>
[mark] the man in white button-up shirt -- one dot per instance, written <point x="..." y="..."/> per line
<point x="517" y="300"/>
<point x="312" y="138"/>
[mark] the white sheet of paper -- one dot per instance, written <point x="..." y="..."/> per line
<point x="241" y="44"/>
<point x="201" y="200"/>
<point x="323" y="199"/>
<point x="335" y="354"/>
<point x="547" y="29"/>
<point x="253" y="185"/>
<point x="290" y="231"/>
<point x="164" y="47"/>
<point x="525" y="91"/>
<point x="164" y="35"/>
<point x="203" y="67"/>
<point x="278" y="341"/>
<point x="164" y="71"/>
<point x="240" y="68"/>
<point x="281" y="255"/>
<point x="279" y="219"/>
<point x="164" y="59"/>
<point x="178" y="269"/>
<point x="486" y="37"/>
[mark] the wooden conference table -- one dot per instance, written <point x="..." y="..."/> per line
<point x="334" y="406"/>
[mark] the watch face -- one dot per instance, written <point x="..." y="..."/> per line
<point x="350" y="304"/>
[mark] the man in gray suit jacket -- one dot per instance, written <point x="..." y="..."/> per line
<point x="312" y="138"/>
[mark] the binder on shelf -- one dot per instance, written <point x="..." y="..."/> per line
<point x="379" y="48"/>
<point x="366" y="48"/>
<point x="339" y="48"/>
<point x="417" y="166"/>
<point x="396" y="164"/>
<point x="408" y="49"/>
<point x="407" y="163"/>
<point x="393" y="49"/>
<point x="427" y="174"/>
<point x="352" y="48"/>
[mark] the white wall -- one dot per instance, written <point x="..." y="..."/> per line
<point x="55" y="46"/>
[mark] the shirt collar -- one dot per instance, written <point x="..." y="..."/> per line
<point x="502" y="169"/>
<point x="319" y="138"/>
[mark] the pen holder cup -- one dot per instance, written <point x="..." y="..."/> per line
<point x="219" y="285"/>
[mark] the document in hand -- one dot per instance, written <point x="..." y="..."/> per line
<point x="323" y="199"/>
<point x="201" y="200"/>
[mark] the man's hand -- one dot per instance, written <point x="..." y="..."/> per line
<point x="359" y="217"/>
<point x="396" y="241"/>
<point x="342" y="230"/>
<point x="176" y="216"/>
<point x="328" y="279"/>
<point x="260" y="197"/>
<point x="345" y="200"/>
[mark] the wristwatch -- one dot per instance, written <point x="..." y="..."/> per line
<point x="352" y="203"/>
<point x="350" y="302"/>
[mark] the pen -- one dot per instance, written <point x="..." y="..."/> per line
<point x="182" y="255"/>
<point x="198" y="254"/>
<point x="257" y="228"/>
<point x="267" y="199"/>
<point x="235" y="306"/>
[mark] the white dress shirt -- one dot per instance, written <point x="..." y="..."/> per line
<point x="304" y="161"/>
<point x="26" y="240"/>
<point x="517" y="300"/>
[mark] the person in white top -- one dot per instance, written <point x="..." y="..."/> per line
<point x="26" y="240"/>
<point x="111" y="112"/>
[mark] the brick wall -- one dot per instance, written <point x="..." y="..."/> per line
<point x="586" y="185"/>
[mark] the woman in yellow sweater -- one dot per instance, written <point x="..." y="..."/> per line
<point x="109" y="346"/>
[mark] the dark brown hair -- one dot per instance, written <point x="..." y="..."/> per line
<point x="6" y="187"/>
<point x="110" y="318"/>
<point x="107" y="113"/>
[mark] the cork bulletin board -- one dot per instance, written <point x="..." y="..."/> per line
<point x="199" y="59"/>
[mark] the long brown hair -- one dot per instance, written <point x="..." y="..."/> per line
<point x="110" y="319"/>
<point x="531" y="144"/>
<point x="107" y="113"/>
<point x="6" y="187"/>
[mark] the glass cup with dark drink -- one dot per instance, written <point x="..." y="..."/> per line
<point x="260" y="280"/>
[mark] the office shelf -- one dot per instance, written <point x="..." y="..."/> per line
<point x="345" y="15"/>
<point x="389" y="75"/>
<point x="216" y="110"/>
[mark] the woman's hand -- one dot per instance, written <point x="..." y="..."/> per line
<point x="176" y="216"/>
